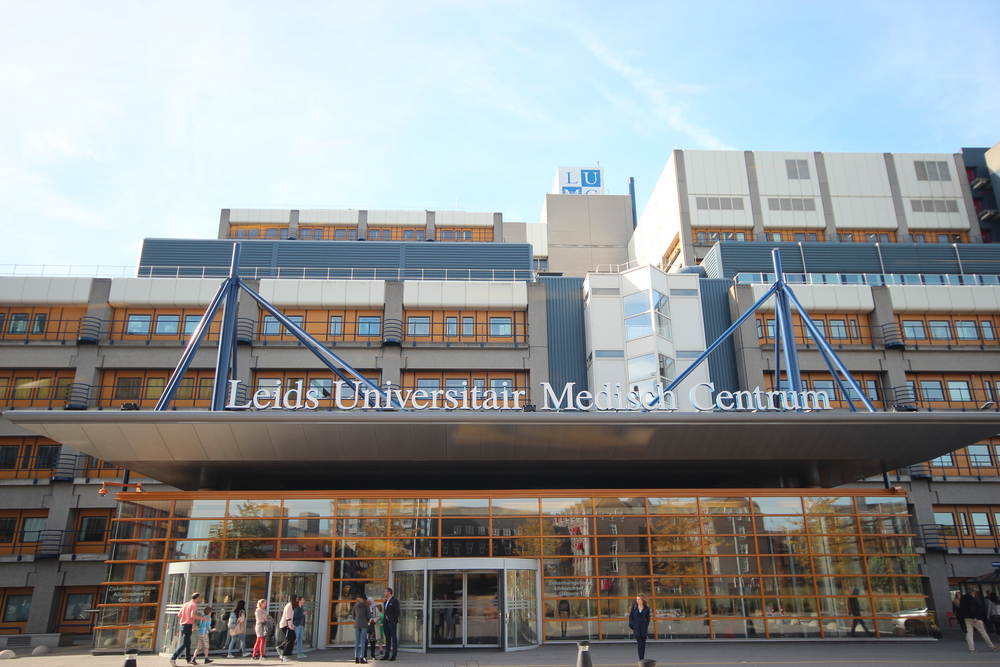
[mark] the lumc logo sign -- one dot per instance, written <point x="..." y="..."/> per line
<point x="702" y="397"/>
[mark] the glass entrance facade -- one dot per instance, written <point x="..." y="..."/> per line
<point x="754" y="564"/>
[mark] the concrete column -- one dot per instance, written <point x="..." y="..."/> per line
<point x="684" y="206"/>
<point x="755" y="208"/>
<point x="975" y="232"/>
<point x="894" y="365"/>
<point x="245" y="358"/>
<point x="430" y="229"/>
<point x="830" y="231"/>
<point x="362" y="224"/>
<point x="902" y="229"/>
<point x="224" y="224"/>
<point x="293" y="224"/>
<point x="90" y="358"/>
<point x="750" y="360"/>
<point x="537" y="361"/>
<point x="392" y="356"/>
<point x="498" y="227"/>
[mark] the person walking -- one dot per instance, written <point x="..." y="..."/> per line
<point x="260" y="629"/>
<point x="391" y="624"/>
<point x="362" y="619"/>
<point x="974" y="614"/>
<point x="992" y="603"/>
<point x="287" y="627"/>
<point x="237" y="630"/>
<point x="854" y="609"/>
<point x="638" y="622"/>
<point x="186" y="619"/>
<point x="299" y="619"/>
<point x="204" y="636"/>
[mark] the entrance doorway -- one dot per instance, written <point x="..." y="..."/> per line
<point x="223" y="583"/>
<point x="465" y="609"/>
<point x="467" y="603"/>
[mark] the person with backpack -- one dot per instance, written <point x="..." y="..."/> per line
<point x="237" y="630"/>
<point x="205" y="626"/>
<point x="260" y="627"/>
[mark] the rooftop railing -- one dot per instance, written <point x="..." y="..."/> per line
<point x="261" y="272"/>
<point x="871" y="279"/>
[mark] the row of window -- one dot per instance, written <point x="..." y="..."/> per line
<point x="373" y="234"/>
<point x="949" y="329"/>
<point x="981" y="521"/>
<point x="981" y="455"/>
<point x="843" y="329"/>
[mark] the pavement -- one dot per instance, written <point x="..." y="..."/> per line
<point x="942" y="653"/>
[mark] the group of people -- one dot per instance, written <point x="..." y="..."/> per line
<point x="291" y="630"/>
<point x="374" y="625"/>
<point x="974" y="613"/>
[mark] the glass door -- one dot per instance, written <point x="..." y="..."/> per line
<point x="301" y="584"/>
<point x="464" y="609"/>
<point x="409" y="590"/>
<point x="521" y="613"/>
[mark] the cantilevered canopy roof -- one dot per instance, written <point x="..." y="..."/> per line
<point x="508" y="450"/>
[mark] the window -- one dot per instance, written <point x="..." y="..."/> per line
<point x="167" y="325"/>
<point x="428" y="383"/>
<point x="468" y="326"/>
<point x="272" y="328"/>
<point x="205" y="387"/>
<point x="932" y="171"/>
<point x="642" y="368"/>
<point x="966" y="330"/>
<point x="191" y="323"/>
<point x="958" y="390"/>
<point x="502" y="387"/>
<point x="47" y="456"/>
<point x="451" y="326"/>
<point x="92" y="528"/>
<point x="914" y="330"/>
<point x="979" y="455"/>
<point x="636" y="303"/>
<point x="987" y="327"/>
<point x="943" y="461"/>
<point x="154" y="388"/>
<point x="339" y="234"/>
<point x="272" y="233"/>
<point x="666" y="369"/>
<point x="940" y="329"/>
<point x="375" y="234"/>
<point x="369" y="325"/>
<point x="31" y="530"/>
<point x="783" y="204"/>
<point x="18" y="323"/>
<point x="38" y="324"/>
<point x="806" y="236"/>
<point x="946" y="522"/>
<point x="77" y="606"/>
<point x="797" y="169"/>
<point x="336" y="325"/>
<point x="8" y="527"/>
<point x="322" y="387"/>
<point x="838" y="329"/>
<point x="827" y="386"/>
<point x="17" y="609"/>
<point x="8" y="457"/>
<point x="305" y="233"/>
<point x="981" y="524"/>
<point x="931" y="390"/>
<point x="253" y="233"/>
<point x="418" y="326"/>
<point x="127" y="389"/>
<point x="500" y="327"/>
<point x="138" y="325"/>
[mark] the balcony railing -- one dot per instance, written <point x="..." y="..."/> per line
<point x="872" y="279"/>
<point x="258" y="272"/>
<point x="943" y="397"/>
<point x="839" y="334"/>
<point x="58" y="467"/>
<point x="942" y="537"/>
<point x="53" y="543"/>
<point x="37" y="330"/>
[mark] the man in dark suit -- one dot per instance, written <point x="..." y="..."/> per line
<point x="391" y="623"/>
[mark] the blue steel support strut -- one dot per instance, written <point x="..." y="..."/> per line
<point x="329" y="359"/>
<point x="726" y="334"/>
<point x="787" y="331"/>
<point x="227" y="335"/>
<point x="192" y="347"/>
<point x="830" y="354"/>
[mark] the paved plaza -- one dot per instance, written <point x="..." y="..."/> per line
<point x="949" y="651"/>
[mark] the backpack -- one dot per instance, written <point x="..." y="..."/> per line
<point x="268" y="626"/>
<point x="232" y="621"/>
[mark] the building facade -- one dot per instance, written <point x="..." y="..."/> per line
<point x="500" y="521"/>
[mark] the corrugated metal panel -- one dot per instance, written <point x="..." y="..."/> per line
<point x="567" y="336"/>
<point x="713" y="262"/>
<point x="472" y="261"/>
<point x="717" y="318"/>
<point x="979" y="258"/>
<point x="919" y="258"/>
<point x="838" y="258"/>
<point x="755" y="257"/>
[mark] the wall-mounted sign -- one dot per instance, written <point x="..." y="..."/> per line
<point x="578" y="181"/>
<point x="702" y="397"/>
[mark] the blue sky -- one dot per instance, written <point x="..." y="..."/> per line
<point x="126" y="120"/>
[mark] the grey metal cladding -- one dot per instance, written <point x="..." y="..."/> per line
<point x="919" y="258"/>
<point x="567" y="337"/>
<point x="980" y="258"/>
<point x="713" y="262"/>
<point x="832" y="258"/>
<point x="717" y="318"/>
<point x="190" y="256"/>
<point x="754" y="257"/>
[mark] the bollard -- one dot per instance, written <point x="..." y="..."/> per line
<point x="646" y="662"/>
<point x="130" y="657"/>
<point x="583" y="655"/>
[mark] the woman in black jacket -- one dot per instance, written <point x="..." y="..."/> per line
<point x="638" y="622"/>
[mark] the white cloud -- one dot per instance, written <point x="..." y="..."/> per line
<point x="664" y="107"/>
